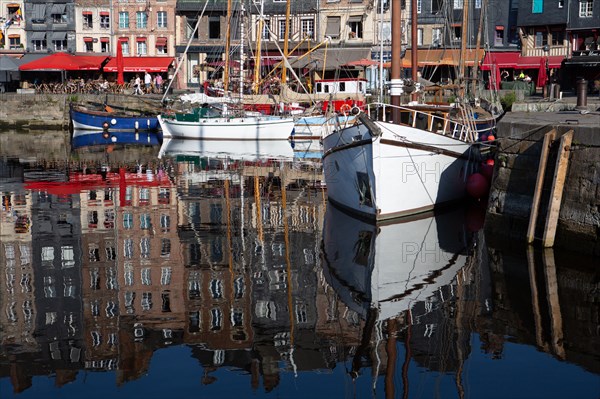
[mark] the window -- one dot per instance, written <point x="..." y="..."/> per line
<point x="142" y="49"/>
<point x="419" y="36"/>
<point x="437" y="6"/>
<point x="541" y="39"/>
<point x="558" y="37"/>
<point x="383" y="5"/>
<point x="477" y="3"/>
<point x="128" y="248"/>
<point x="436" y="36"/>
<point x="104" y="45"/>
<point x="216" y="289"/>
<point x="161" y="45"/>
<point x="123" y="20"/>
<point x="59" y="18"/>
<point x="458" y="4"/>
<point x="216" y="319"/>
<point x="125" y="50"/>
<point x="499" y="37"/>
<point x="88" y="44"/>
<point x="307" y="27"/>
<point x="161" y="19"/>
<point x="281" y="30"/>
<point x="128" y="273"/>
<point x="165" y="223"/>
<point x="146" y="300"/>
<point x="87" y="20"/>
<point x="456" y="31"/>
<point x="586" y="8"/>
<point x="355" y="25"/>
<point x="266" y="30"/>
<point x="14" y="42"/>
<point x="104" y="20"/>
<point x="214" y="27"/>
<point x="419" y="6"/>
<point x="141" y="20"/>
<point x="537" y="6"/>
<point x="191" y="24"/>
<point x="59" y="45"/>
<point x="333" y="27"/>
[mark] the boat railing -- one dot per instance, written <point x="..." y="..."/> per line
<point x="434" y="120"/>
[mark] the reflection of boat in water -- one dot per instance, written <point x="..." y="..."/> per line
<point x="392" y="267"/>
<point x="251" y="150"/>
<point x="82" y="138"/>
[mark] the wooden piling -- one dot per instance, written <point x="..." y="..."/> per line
<point x="539" y="183"/>
<point x="558" y="183"/>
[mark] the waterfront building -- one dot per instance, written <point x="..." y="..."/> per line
<point x="144" y="28"/>
<point x="93" y="33"/>
<point x="12" y="25"/>
<point x="49" y="26"/>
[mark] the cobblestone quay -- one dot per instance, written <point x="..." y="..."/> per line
<point x="520" y="137"/>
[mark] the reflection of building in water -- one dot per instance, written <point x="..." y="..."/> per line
<point x="17" y="300"/>
<point x="56" y="232"/>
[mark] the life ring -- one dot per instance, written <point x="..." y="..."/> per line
<point x="345" y="109"/>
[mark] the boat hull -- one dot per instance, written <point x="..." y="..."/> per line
<point x="222" y="128"/>
<point x="321" y="125"/>
<point x="113" y="122"/>
<point x="403" y="171"/>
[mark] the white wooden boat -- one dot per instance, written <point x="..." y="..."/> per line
<point x="186" y="126"/>
<point x="382" y="170"/>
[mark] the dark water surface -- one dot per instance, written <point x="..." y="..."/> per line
<point x="126" y="275"/>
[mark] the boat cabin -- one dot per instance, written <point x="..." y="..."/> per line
<point x="352" y="86"/>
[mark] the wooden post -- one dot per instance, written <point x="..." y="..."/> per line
<point x="539" y="182"/>
<point x="558" y="184"/>
<point x="556" y="323"/>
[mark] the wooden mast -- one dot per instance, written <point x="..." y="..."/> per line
<point x="395" y="81"/>
<point x="414" y="51"/>
<point x="285" y="42"/>
<point x="478" y="45"/>
<point x="463" y="46"/>
<point x="259" y="31"/>
<point x="227" y="48"/>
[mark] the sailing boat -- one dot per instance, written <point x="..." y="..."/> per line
<point x="415" y="162"/>
<point x="204" y="123"/>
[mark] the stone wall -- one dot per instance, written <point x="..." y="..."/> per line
<point x="41" y="111"/>
<point x="520" y="137"/>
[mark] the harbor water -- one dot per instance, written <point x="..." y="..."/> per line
<point x="179" y="271"/>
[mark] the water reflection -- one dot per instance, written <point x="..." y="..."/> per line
<point x="115" y="260"/>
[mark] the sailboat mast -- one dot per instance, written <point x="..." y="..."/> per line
<point x="414" y="51"/>
<point x="242" y="52"/>
<point x="395" y="81"/>
<point x="285" y="41"/>
<point x="227" y="48"/>
<point x="478" y="45"/>
<point x="259" y="32"/>
<point x="463" y="44"/>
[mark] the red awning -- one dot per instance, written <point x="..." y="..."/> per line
<point x="161" y="41"/>
<point x="88" y="39"/>
<point x="104" y="13"/>
<point x="104" y="40"/>
<point x="140" y="39"/>
<point x="86" y="13"/>
<point x="65" y="62"/>
<point x="554" y="61"/>
<point x="140" y="64"/>
<point x="502" y="60"/>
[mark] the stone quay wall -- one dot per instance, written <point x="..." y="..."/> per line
<point x="520" y="137"/>
<point x="42" y="111"/>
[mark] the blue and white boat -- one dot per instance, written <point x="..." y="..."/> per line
<point x="83" y="118"/>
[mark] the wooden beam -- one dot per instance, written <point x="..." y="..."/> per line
<point x="558" y="184"/>
<point x="539" y="183"/>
